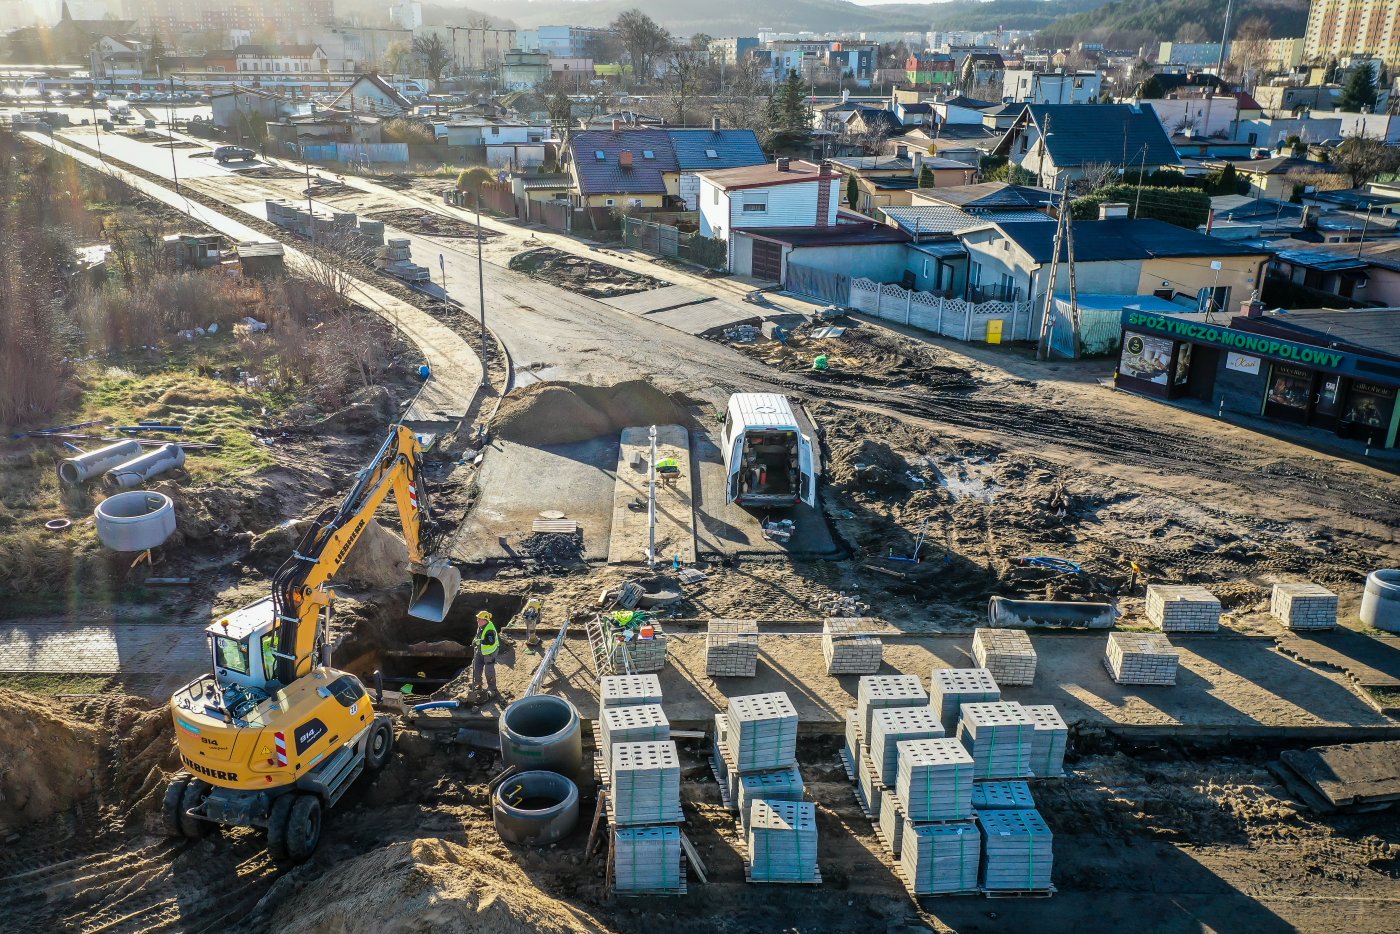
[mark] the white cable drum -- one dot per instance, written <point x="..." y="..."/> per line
<point x="135" y="520"/>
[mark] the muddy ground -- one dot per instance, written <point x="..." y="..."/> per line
<point x="1191" y="839"/>
<point x="433" y="225"/>
<point x="587" y="277"/>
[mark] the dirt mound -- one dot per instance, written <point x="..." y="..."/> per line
<point x="51" y="758"/>
<point x="553" y="550"/>
<point x="867" y="464"/>
<point x="428" y="885"/>
<point x="563" y="413"/>
<point x="379" y="558"/>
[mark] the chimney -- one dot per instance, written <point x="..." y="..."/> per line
<point x="624" y="159"/>
<point x="783" y="163"/>
<point x="1112" y="209"/>
<point x="1210" y="220"/>
<point x="714" y="124"/>
<point x="617" y="125"/>
<point x="1251" y="307"/>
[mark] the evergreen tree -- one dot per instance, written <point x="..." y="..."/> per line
<point x="155" y="55"/>
<point x="926" y="178"/>
<point x="1151" y="89"/>
<point x="1359" y="91"/>
<point x="852" y="191"/>
<point x="787" y="108"/>
<point x="1332" y="73"/>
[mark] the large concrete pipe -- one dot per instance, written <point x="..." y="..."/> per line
<point x="1004" y="613"/>
<point x="542" y="732"/>
<point x="1380" y="601"/>
<point x="135" y="521"/>
<point x="535" y="808"/>
<point x="138" y="470"/>
<point x="84" y="467"/>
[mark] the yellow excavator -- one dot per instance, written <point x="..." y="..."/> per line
<point x="273" y="736"/>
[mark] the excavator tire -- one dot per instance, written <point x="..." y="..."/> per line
<point x="193" y="827"/>
<point x="171" y="808"/>
<point x="379" y="745"/>
<point x="277" y="826"/>
<point x="304" y="828"/>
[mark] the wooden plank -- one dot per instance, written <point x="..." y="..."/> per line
<point x="597" y="823"/>
<point x="555" y="526"/>
<point x="695" y="862"/>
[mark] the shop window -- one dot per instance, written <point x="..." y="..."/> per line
<point x="1146" y="358"/>
<point x="1369" y="406"/>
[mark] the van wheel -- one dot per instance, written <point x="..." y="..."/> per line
<point x="380" y="745"/>
<point x="170" y="809"/>
<point x="193" y="827"/>
<point x="277" y="826"/>
<point x="304" y="828"/>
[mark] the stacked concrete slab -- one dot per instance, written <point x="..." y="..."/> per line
<point x="1304" y="606"/>
<point x="1018" y="852"/>
<point x="848" y="647"/>
<point x="1182" y="608"/>
<point x="1006" y="653"/>
<point x="645" y="783"/>
<point x="731" y="648"/>
<point x="642" y="655"/>
<point x="1140" y="658"/>
<point x="762" y="731"/>
<point x="637" y="723"/>
<point x="1002" y="796"/>
<point x="782" y="842"/>
<point x="626" y="690"/>
<point x="940" y="859"/>
<point x="372" y="233"/>
<point x="890" y="725"/>
<point x="950" y="688"/>
<point x="892" y="821"/>
<point x="935" y="780"/>
<point x="869" y="788"/>
<point x="876" y="692"/>
<point x="774" y="785"/>
<point x="395" y="257"/>
<point x="647" y="860"/>
<point x="1048" y="744"/>
<point x="855" y="737"/>
<point x="1000" y="736"/>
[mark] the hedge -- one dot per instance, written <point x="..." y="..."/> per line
<point x="1183" y="207"/>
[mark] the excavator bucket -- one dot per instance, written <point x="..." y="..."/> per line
<point x="435" y="585"/>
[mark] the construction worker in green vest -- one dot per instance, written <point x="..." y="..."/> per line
<point x="487" y="644"/>
<point x="668" y="469"/>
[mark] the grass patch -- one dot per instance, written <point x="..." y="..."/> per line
<point x="1384" y="698"/>
<point x="34" y="683"/>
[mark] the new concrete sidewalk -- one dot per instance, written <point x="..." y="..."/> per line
<point x="457" y="370"/>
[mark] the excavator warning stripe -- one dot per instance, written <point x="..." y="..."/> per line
<point x="413" y="495"/>
<point x="280" y="742"/>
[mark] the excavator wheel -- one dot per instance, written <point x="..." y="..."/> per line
<point x="304" y="828"/>
<point x="380" y="745"/>
<point x="171" y="808"/>
<point x="193" y="827"/>
<point x="277" y="826"/>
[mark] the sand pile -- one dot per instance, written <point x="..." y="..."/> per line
<point x="563" y="413"/>
<point x="51" y="758"/>
<point x="426" y="885"/>
<point x="866" y="464"/>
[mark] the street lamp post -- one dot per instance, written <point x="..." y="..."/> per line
<point x="310" y="209"/>
<point x="480" y="278"/>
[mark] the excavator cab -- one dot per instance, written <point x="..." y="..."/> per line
<point x="434" y="587"/>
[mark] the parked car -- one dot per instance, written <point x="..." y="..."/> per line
<point x="234" y="153"/>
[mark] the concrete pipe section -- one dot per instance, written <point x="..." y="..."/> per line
<point x="1003" y="613"/>
<point x="541" y="731"/>
<point x="135" y="521"/>
<point x="1380" y="601"/>
<point x="84" y="467"/>
<point x="151" y="464"/>
<point x="535" y="808"/>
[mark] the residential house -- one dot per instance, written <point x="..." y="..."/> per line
<point x="1081" y="138"/>
<point x="1190" y="145"/>
<point x="1010" y="261"/>
<point x="1340" y="275"/>
<point x="701" y="150"/>
<point x="1204" y="54"/>
<point x="874" y="123"/>
<point x="1002" y="117"/>
<point x="623" y="168"/>
<point x="961" y="110"/>
<point x="1245" y="217"/>
<point x="324" y="126"/>
<point x="238" y="109"/>
<point x="767" y="212"/>
<point x="919" y="113"/>
<point x="1056" y="87"/>
<point x="929" y="68"/>
<point x="117" y="57"/>
<point x="1276" y="177"/>
<point x="1206" y="114"/>
<point x="372" y="94"/>
<point x="987" y="197"/>
<point x="506" y="143"/>
<point x="937" y="259"/>
<point x="985" y="73"/>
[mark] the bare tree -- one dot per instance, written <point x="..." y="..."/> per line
<point x="434" y="55"/>
<point x="681" y="83"/>
<point x="1192" y="32"/>
<point x="644" y="41"/>
<point x="743" y="101"/>
<point x="337" y="275"/>
<point x="1095" y="175"/>
<point x="1250" y="50"/>
<point x="1363" y="158"/>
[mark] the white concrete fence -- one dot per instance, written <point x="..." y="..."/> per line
<point x="950" y="317"/>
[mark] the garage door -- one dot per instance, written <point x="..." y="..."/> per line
<point x="767" y="260"/>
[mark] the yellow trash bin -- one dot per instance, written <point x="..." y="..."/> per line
<point x="994" y="331"/>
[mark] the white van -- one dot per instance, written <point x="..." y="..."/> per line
<point x="767" y="457"/>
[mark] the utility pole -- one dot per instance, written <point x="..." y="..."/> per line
<point x="1042" y="349"/>
<point x="480" y="279"/>
<point x="651" y="504"/>
<point x="1224" y="38"/>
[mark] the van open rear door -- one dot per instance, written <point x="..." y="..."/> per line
<point x="807" y="484"/>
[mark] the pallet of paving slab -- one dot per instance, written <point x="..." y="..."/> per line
<point x="1020" y="893"/>
<point x="643" y="893"/>
<point x="864" y="808"/>
<point x="748" y="877"/>
<point x="848" y="765"/>
<point x="600" y="770"/>
<point x="918" y="897"/>
<point x="724" y="798"/>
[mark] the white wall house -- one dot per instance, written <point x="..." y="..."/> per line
<point x="778" y="194"/>
<point x="281" y="60"/>
<point x="1036" y="87"/>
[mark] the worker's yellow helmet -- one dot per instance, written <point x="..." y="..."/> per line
<point x="533" y="604"/>
<point x="484" y="614"/>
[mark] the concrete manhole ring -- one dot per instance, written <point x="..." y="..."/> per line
<point x="58" y="525"/>
<point x="551" y="514"/>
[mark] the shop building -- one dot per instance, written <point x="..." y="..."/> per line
<point x="1337" y="370"/>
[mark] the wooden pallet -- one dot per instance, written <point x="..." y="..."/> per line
<point x="1020" y="893"/>
<point x="847" y="764"/>
<point x="748" y="877"/>
<point x="869" y="815"/>
<point x="555" y="526"/>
